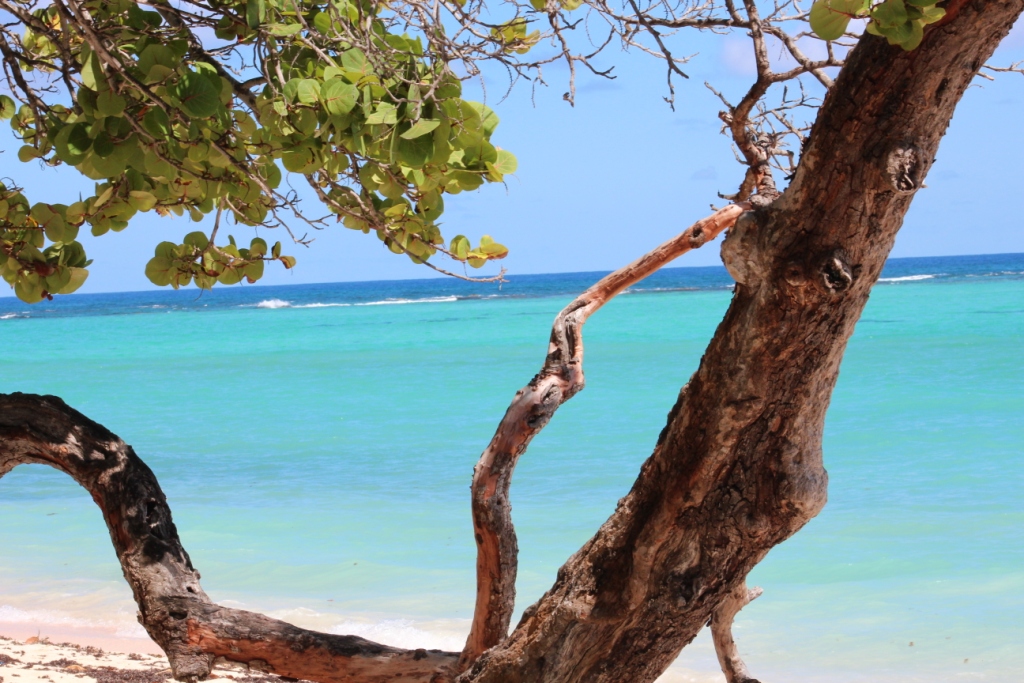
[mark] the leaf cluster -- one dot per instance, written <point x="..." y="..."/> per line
<point x="901" y="22"/>
<point x="329" y="91"/>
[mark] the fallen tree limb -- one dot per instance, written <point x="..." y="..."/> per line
<point x="173" y="608"/>
<point x="560" y="378"/>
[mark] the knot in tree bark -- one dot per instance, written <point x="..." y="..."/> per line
<point x="905" y="167"/>
<point x="836" y="273"/>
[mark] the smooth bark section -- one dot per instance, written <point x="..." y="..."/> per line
<point x="560" y="378"/>
<point x="173" y="608"/>
<point x="738" y="468"/>
<point x="721" y="632"/>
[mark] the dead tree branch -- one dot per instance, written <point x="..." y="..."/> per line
<point x="560" y="378"/>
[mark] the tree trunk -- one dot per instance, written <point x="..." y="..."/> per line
<point x="738" y="469"/>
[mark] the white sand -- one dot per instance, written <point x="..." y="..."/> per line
<point x="39" y="661"/>
<point x="36" y="660"/>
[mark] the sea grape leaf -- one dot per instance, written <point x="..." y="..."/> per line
<point x="828" y="21"/>
<point x="421" y="127"/>
<point x="339" y="97"/>
<point x="197" y="95"/>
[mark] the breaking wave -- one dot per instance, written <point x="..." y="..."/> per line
<point x="906" y="278"/>
<point x="281" y="303"/>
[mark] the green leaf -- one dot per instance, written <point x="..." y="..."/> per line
<point x="302" y="160"/>
<point x="932" y="14"/>
<point x="890" y="13"/>
<point x="92" y="73"/>
<point x="58" y="280"/>
<point x="71" y="143"/>
<point x="78" y="276"/>
<point x="141" y="200"/>
<point x="415" y="153"/>
<point x="505" y="164"/>
<point x="421" y="127"/>
<point x="50" y="220"/>
<point x="384" y="114"/>
<point x="288" y="261"/>
<point x="255" y="13"/>
<point x="158" y="271"/>
<point x="284" y="30"/>
<point x="322" y="23"/>
<point x="258" y="247"/>
<point x="897" y="35"/>
<point x="109" y="103"/>
<point x="915" y="37"/>
<point x="157" y="62"/>
<point x="230" y="276"/>
<point x="491" y="248"/>
<point x="103" y="146"/>
<point x="197" y="94"/>
<point x="28" y="153"/>
<point x="197" y="239"/>
<point x="254" y="271"/>
<point x="828" y="19"/>
<point x="354" y="60"/>
<point x="459" y="247"/>
<point x="489" y="120"/>
<point x="28" y="291"/>
<point x="308" y="91"/>
<point x="8" y="107"/>
<point x="339" y="97"/>
<point x="156" y="123"/>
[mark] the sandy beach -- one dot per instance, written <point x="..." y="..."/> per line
<point x="42" y="660"/>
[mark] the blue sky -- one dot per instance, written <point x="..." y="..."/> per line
<point x="602" y="183"/>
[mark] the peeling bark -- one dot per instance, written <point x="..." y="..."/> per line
<point x="173" y="608"/>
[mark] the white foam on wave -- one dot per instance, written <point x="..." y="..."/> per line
<point x="401" y="633"/>
<point x="906" y="278"/>
<point x="281" y="303"/>
<point x="124" y="628"/>
<point x="428" y="300"/>
<point x="8" y="316"/>
<point x="274" y="303"/>
<point x="321" y="305"/>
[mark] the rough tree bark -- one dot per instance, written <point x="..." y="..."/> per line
<point x="737" y="469"/>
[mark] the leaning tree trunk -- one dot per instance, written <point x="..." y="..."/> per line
<point x="738" y="468"/>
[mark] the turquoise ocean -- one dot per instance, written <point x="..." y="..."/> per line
<point x="316" y="444"/>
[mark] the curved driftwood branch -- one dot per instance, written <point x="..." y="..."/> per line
<point x="559" y="379"/>
<point x="721" y="632"/>
<point x="173" y="608"/>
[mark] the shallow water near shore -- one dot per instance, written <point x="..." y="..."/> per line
<point x="316" y="444"/>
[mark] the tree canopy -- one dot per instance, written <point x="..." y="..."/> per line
<point x="211" y="107"/>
